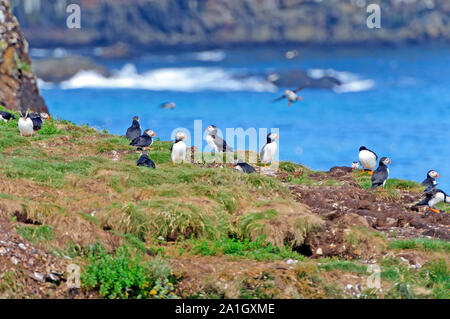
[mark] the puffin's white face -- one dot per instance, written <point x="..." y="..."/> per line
<point x="355" y="165"/>
<point x="387" y="161"/>
<point x="274" y="136"/>
<point x="433" y="174"/>
<point x="150" y="133"/>
<point x="44" y="116"/>
<point x="180" y="136"/>
<point x="211" y="129"/>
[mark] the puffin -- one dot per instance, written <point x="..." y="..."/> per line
<point x="243" y="167"/>
<point x="434" y="197"/>
<point x="381" y="174"/>
<point x="291" y="96"/>
<point x="146" y="161"/>
<point x="215" y="142"/>
<point x="25" y="124"/>
<point x="144" y="141"/>
<point x="178" y="149"/>
<point x="368" y="159"/>
<point x="267" y="153"/>
<point x="355" y="166"/>
<point x="6" y="116"/>
<point x="134" y="130"/>
<point x="38" y="120"/>
<point x="430" y="181"/>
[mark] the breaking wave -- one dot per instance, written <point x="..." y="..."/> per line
<point x="189" y="79"/>
<point x="351" y="82"/>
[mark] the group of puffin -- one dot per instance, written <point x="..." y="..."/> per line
<point x="179" y="148"/>
<point x="29" y="123"/>
<point x="368" y="160"/>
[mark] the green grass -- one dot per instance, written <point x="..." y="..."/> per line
<point x="257" y="250"/>
<point x="329" y="264"/>
<point x="36" y="233"/>
<point x="421" y="244"/>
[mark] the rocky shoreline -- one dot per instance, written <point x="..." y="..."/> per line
<point x="223" y="23"/>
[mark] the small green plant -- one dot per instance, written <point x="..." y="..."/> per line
<point x="124" y="276"/>
<point x="49" y="128"/>
<point x="117" y="276"/>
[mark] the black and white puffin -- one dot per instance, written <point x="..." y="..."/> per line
<point x="38" y="120"/>
<point x="381" y="174"/>
<point x="179" y="148"/>
<point x="434" y="197"/>
<point x="267" y="153"/>
<point x="146" y="161"/>
<point x="368" y="159"/>
<point x="25" y="124"/>
<point x="430" y="181"/>
<point x="6" y="116"/>
<point x="134" y="130"/>
<point x="144" y="141"/>
<point x="291" y="96"/>
<point x="243" y="167"/>
<point x="215" y="142"/>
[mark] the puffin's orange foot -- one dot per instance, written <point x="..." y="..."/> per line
<point x="435" y="210"/>
<point x="148" y="148"/>
<point x="370" y="173"/>
<point x="173" y="163"/>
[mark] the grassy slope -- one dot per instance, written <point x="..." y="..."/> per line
<point x="85" y="195"/>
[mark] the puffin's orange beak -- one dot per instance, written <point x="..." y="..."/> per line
<point x="438" y="176"/>
<point x="300" y="98"/>
<point x="154" y="134"/>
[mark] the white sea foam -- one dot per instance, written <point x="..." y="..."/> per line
<point x="351" y="82"/>
<point x="172" y="79"/>
<point x="210" y="56"/>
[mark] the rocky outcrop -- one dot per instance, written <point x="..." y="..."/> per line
<point x="218" y="23"/>
<point x="18" y="87"/>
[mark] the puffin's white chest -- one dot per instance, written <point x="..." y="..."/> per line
<point x="438" y="198"/>
<point x="211" y="142"/>
<point x="179" y="151"/>
<point x="367" y="159"/>
<point x="291" y="96"/>
<point x="26" y="127"/>
<point x="268" y="152"/>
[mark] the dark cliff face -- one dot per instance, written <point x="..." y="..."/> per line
<point x="18" y="88"/>
<point x="153" y="23"/>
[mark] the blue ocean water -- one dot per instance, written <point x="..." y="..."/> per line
<point x="398" y="104"/>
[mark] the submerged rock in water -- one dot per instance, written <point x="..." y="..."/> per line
<point x="60" y="69"/>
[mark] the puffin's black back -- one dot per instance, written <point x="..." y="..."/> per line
<point x="133" y="131"/>
<point x="37" y="123"/>
<point x="142" y="141"/>
<point x="7" y="116"/>
<point x="144" y="160"/>
<point x="379" y="175"/>
<point x="246" y="168"/>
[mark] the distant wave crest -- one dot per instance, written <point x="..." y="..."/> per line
<point x="189" y="79"/>
<point x="210" y="56"/>
<point x="351" y="82"/>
